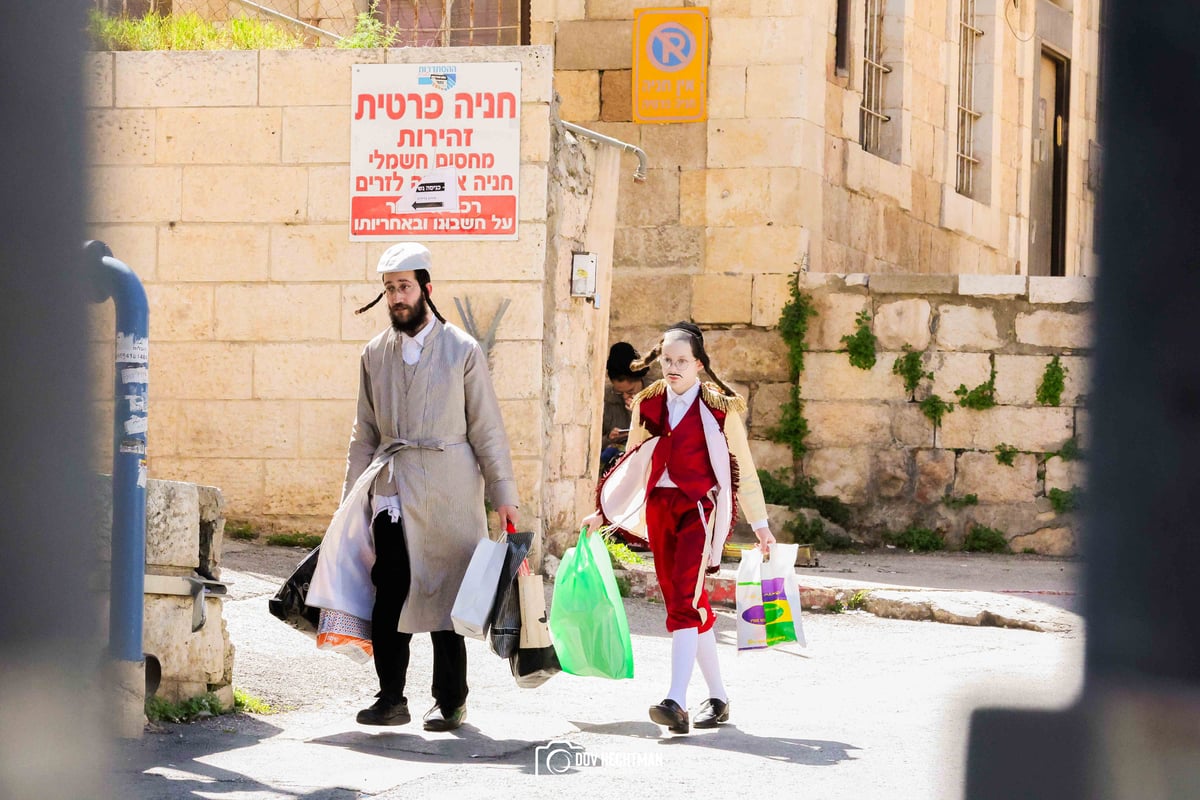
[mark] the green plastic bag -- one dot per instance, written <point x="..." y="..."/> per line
<point x="588" y="625"/>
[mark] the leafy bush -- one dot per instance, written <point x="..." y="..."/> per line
<point x="619" y="553"/>
<point x="159" y="709"/>
<point x="1006" y="454"/>
<point x="814" y="532"/>
<point x="982" y="539"/>
<point x="186" y="31"/>
<point x="861" y="344"/>
<point x="858" y="600"/>
<point x="982" y="396"/>
<point x="960" y="502"/>
<point x="908" y="367"/>
<point x="244" y="701"/>
<point x="1050" y="390"/>
<point x="917" y="540"/>
<point x="782" y="489"/>
<point x="240" y="530"/>
<point x="305" y="540"/>
<point x="369" y="32"/>
<point x="1064" y="500"/>
<point x="935" y="408"/>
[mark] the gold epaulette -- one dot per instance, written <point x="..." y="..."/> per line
<point x="656" y="388"/>
<point x="715" y="398"/>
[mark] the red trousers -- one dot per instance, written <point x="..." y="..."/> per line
<point x="677" y="541"/>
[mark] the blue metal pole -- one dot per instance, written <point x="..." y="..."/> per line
<point x="118" y="281"/>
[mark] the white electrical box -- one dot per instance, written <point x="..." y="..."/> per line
<point x="583" y="275"/>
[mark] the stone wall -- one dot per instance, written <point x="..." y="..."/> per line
<point x="871" y="445"/>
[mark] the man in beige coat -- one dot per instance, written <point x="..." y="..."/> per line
<point x="429" y="425"/>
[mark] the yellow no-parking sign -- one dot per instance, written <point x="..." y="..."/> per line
<point x="670" y="64"/>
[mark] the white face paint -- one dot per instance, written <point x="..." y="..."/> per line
<point x="679" y="366"/>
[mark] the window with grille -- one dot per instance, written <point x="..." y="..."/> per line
<point x="966" y="160"/>
<point x="456" y="23"/>
<point x="871" y="116"/>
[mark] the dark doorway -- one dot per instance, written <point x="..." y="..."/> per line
<point x="1048" y="192"/>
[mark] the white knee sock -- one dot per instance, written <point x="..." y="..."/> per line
<point x="683" y="657"/>
<point x="710" y="666"/>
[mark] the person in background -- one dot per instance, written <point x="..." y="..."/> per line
<point x="624" y="384"/>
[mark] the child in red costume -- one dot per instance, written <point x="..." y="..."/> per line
<point x="687" y="467"/>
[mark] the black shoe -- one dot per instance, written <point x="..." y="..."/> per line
<point x="440" y="720"/>
<point x="385" y="712"/>
<point x="670" y="714"/>
<point x="712" y="713"/>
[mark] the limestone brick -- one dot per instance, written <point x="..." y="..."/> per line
<point x="759" y="40"/>
<point x="325" y="427"/>
<point x="522" y="260"/>
<point x="245" y="194"/>
<point x="1037" y="430"/>
<point x="217" y="135"/>
<point x="120" y="136"/>
<point x="522" y="320"/>
<point x="727" y="92"/>
<point x="304" y="486"/>
<point x="913" y="284"/>
<point x="163" y="436"/>
<point x="1060" y="290"/>
<point x="212" y="253"/>
<point x="295" y="312"/>
<point x="517" y="370"/>
<point x="239" y="428"/>
<point x="734" y="197"/>
<point x="761" y="249"/>
<point x="1083" y="434"/>
<point x="991" y="285"/>
<point x="534" y="189"/>
<point x="1047" y="542"/>
<point x="935" y="475"/>
<point x="535" y="133"/>
<point x="771" y="456"/>
<point x="306" y="371"/>
<point x="241" y="480"/>
<point x="765" y="143"/>
<point x="189" y="661"/>
<point x="720" y="299"/>
<point x="967" y="328"/>
<point x="620" y="9"/>
<point x="329" y="195"/>
<point x="1018" y="378"/>
<point x="829" y="376"/>
<point x="616" y="95"/>
<point x="776" y="90"/>
<point x="205" y="371"/>
<point x="98" y="79"/>
<point x="528" y="472"/>
<point x="692" y="200"/>
<point x="136" y="245"/>
<point x="951" y="370"/>
<point x="523" y="424"/>
<point x="674" y="248"/>
<point x="795" y="197"/>
<point x="840" y="471"/>
<point x="319" y="77"/>
<point x="537" y="63"/>
<point x="910" y="427"/>
<point x="1054" y="329"/>
<point x="179" y="313"/>
<point x="172" y="524"/>
<point x="731" y="8"/>
<point x="316" y="134"/>
<point x="771" y="294"/>
<point x="747" y="355"/>
<point x="579" y="94"/>
<point x="834" y="319"/>
<point x="766" y="407"/>
<point x="845" y="424"/>
<point x="655" y="202"/>
<point x="315" y="253"/>
<point x="1065" y="475"/>
<point x="594" y="44"/>
<point x="890" y="473"/>
<point x="670" y="300"/>
<point x="133" y="194"/>
<point x="681" y="144"/>
<point x="903" y="322"/>
<point x="154" y="79"/>
<point x="982" y="475"/>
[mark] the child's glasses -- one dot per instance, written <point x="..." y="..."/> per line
<point x="678" y="363"/>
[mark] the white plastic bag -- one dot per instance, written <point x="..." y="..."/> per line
<point x="477" y="593"/>
<point x="768" y="599"/>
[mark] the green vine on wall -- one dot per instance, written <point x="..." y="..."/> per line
<point x="910" y="368"/>
<point x="1006" y="454"/>
<point x="862" y="344"/>
<point x="935" y="408"/>
<point x="982" y="396"/>
<point x="1050" y="390"/>
<point x="793" y="325"/>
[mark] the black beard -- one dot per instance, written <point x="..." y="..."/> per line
<point x="418" y="317"/>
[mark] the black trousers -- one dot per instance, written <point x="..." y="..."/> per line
<point x="392" y="575"/>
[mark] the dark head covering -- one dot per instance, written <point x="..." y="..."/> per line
<point x="620" y="356"/>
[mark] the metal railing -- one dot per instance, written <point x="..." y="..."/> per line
<point x="871" y="116"/>
<point x="965" y="160"/>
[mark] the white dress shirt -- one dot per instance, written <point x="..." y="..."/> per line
<point x="677" y="406"/>
<point x="410" y="351"/>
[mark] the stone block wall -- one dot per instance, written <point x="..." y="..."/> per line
<point x="871" y="445"/>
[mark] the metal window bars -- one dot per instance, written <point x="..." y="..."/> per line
<point x="965" y="160"/>
<point x="871" y="116"/>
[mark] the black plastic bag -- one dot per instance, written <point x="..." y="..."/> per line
<point x="505" y="635"/>
<point x="534" y="666"/>
<point x="288" y="603"/>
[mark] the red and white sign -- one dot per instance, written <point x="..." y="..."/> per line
<point x="409" y="120"/>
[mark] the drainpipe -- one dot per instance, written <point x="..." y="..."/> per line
<point x="114" y="279"/>
<point x="639" y="175"/>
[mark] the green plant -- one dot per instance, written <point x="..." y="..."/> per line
<point x="793" y="326"/>
<point x="244" y="701"/>
<point x="1064" y="500"/>
<point x="814" y="532"/>
<point x="306" y="540"/>
<point x="982" y="539"/>
<point x="917" y="540"/>
<point x="159" y="709"/>
<point x="836" y="607"/>
<point x="624" y="585"/>
<point x="861" y="344"/>
<point x="240" y="530"/>
<point x="1070" y="450"/>
<point x="982" y="396"/>
<point x="960" y="502"/>
<point x="370" y="32"/>
<point x="186" y="31"/>
<point x="1050" y="390"/>
<point x="1029" y="551"/>
<point x="620" y="553"/>
<point x="784" y="489"/>
<point x="909" y="367"/>
<point x="1006" y="454"/>
<point x="935" y="408"/>
<point x="858" y="600"/>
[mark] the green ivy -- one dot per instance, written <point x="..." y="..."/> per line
<point x="909" y="367"/>
<point x="793" y="325"/>
<point x="1050" y="390"/>
<point x="982" y="396"/>
<point x="1070" y="450"/>
<point x="861" y="344"/>
<point x="960" y="502"/>
<point x="935" y="408"/>
<point x="783" y="489"/>
<point x="982" y="539"/>
<point x="1006" y="454"/>
<point x="1064" y="500"/>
